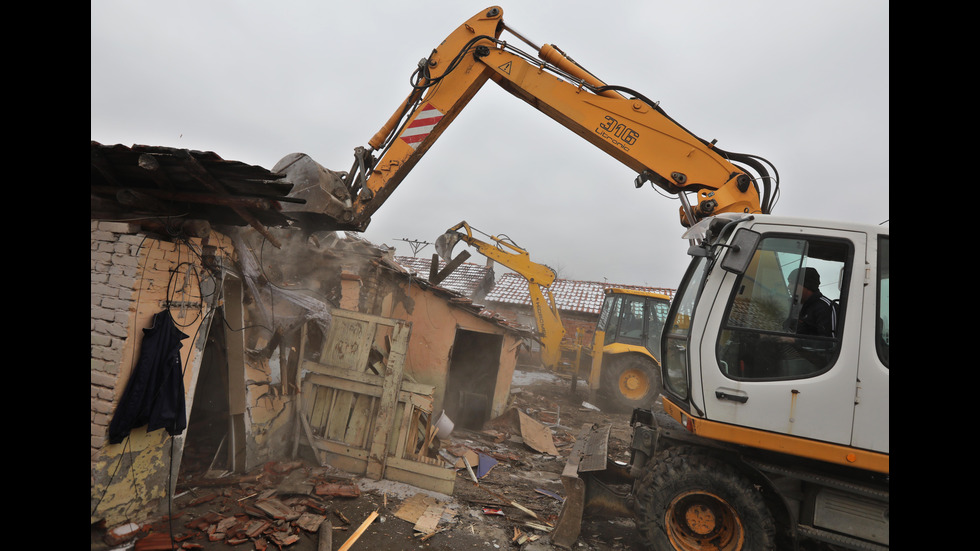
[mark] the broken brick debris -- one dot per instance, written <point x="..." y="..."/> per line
<point x="155" y="542"/>
<point x="204" y="521"/>
<point x="203" y="499"/>
<point x="122" y="534"/>
<point x="334" y="489"/>
<point x="277" y="509"/>
<point x="310" y="522"/>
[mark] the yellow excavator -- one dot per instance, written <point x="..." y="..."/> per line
<point x="622" y="363"/>
<point x="774" y="430"/>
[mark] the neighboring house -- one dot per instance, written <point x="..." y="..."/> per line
<point x="579" y="303"/>
<point x="468" y="279"/>
<point x="190" y="242"/>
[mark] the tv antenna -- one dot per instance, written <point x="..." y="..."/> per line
<point x="416" y="245"/>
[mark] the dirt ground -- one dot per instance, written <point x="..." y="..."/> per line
<point x="517" y="476"/>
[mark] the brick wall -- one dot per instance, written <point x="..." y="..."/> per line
<point x="115" y="258"/>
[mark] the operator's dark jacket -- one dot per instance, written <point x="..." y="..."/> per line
<point x="818" y="316"/>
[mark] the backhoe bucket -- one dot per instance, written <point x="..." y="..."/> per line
<point x="445" y="244"/>
<point x="588" y="479"/>
<point x="323" y="189"/>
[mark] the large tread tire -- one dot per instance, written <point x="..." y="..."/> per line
<point x="629" y="381"/>
<point x="729" y="503"/>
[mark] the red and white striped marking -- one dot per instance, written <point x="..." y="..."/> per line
<point x="422" y="126"/>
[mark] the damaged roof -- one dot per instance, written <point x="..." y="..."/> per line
<point x="572" y="296"/>
<point x="166" y="187"/>
<point x="467" y="279"/>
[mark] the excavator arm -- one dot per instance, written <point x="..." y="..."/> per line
<point x="539" y="277"/>
<point x="623" y="123"/>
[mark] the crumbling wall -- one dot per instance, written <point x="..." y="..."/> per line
<point x="135" y="276"/>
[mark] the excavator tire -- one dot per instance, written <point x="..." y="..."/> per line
<point x="629" y="381"/>
<point x="687" y="500"/>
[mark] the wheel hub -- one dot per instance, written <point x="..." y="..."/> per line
<point x="633" y="384"/>
<point x="701" y="521"/>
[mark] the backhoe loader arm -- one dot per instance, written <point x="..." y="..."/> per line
<point x="623" y="123"/>
<point x="539" y="277"/>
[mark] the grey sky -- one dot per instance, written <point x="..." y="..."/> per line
<point x="802" y="84"/>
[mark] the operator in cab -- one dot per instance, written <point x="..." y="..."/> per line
<point x="818" y="315"/>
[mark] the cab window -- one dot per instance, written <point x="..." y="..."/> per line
<point x="784" y="317"/>
<point x="611" y="309"/>
<point x="631" y="326"/>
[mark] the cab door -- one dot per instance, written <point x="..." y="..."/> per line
<point x="757" y="369"/>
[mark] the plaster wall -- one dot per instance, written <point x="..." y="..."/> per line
<point x="434" y="325"/>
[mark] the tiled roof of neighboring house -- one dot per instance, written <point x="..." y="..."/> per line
<point x="468" y="279"/>
<point x="573" y="296"/>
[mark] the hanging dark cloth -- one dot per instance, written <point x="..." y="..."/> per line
<point x="154" y="395"/>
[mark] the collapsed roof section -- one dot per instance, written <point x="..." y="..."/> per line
<point x="182" y="190"/>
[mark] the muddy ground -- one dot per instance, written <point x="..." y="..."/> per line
<point x="518" y="475"/>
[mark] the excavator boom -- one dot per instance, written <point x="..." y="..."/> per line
<point x="626" y="125"/>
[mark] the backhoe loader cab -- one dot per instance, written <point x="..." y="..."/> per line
<point x="625" y="367"/>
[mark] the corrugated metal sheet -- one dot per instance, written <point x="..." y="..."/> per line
<point x="572" y="296"/>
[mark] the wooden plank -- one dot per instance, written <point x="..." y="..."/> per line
<point x="343" y="373"/>
<point x="404" y="430"/>
<point x="312" y="440"/>
<point x="356" y="433"/>
<point x="345" y="341"/>
<point x="429" y="477"/>
<point x="320" y="406"/>
<point x="325" y="536"/>
<point x="361" y="377"/>
<point x="389" y="397"/>
<point x="360" y="530"/>
<point x="339" y="415"/>
<point x="299" y="397"/>
<point x="348" y="385"/>
<point x="423" y="401"/>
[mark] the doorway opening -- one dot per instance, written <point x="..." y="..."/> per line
<point x="472" y="379"/>
<point x="206" y="442"/>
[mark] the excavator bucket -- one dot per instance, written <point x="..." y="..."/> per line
<point x="322" y="188"/>
<point x="445" y="244"/>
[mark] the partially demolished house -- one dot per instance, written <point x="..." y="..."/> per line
<point x="230" y="327"/>
<point x="579" y="303"/>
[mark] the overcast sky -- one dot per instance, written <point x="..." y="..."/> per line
<point x="802" y="84"/>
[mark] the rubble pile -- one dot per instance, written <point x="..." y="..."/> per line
<point x="507" y="494"/>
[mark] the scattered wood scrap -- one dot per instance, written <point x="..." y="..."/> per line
<point x="360" y="530"/>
